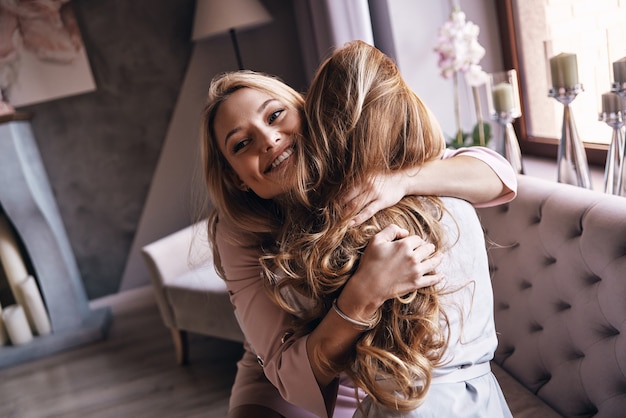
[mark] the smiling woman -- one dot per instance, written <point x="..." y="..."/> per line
<point x="255" y="133"/>
<point x="248" y="210"/>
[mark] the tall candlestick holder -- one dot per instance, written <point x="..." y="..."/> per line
<point x="504" y="108"/>
<point x="506" y="143"/>
<point x="615" y="170"/>
<point x="572" y="164"/>
<point x="619" y="87"/>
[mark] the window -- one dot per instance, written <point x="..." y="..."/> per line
<point x="532" y="31"/>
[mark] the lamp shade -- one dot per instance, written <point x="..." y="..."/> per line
<point x="219" y="16"/>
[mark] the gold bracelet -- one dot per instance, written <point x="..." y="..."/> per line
<point x="360" y="325"/>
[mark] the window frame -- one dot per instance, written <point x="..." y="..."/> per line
<point x="531" y="145"/>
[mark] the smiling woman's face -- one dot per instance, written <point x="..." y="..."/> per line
<point x="255" y="132"/>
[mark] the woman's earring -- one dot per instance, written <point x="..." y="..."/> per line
<point x="244" y="187"/>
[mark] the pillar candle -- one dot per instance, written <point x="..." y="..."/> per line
<point x="34" y="306"/>
<point x="17" y="326"/>
<point x="11" y="259"/>
<point x="619" y="71"/>
<point x="564" y="70"/>
<point x="503" y="97"/>
<point x="612" y="103"/>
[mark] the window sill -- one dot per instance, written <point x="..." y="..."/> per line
<point x="545" y="168"/>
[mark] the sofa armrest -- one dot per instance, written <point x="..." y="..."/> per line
<point x="173" y="256"/>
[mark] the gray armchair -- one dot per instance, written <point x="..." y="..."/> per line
<point x="190" y="295"/>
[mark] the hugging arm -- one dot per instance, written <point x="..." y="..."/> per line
<point x="477" y="174"/>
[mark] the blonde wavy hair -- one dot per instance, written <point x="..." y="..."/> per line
<point x="362" y="119"/>
<point x="244" y="210"/>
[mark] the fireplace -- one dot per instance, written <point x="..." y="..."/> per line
<point x="27" y="200"/>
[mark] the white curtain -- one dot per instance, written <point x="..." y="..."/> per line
<point x="326" y="24"/>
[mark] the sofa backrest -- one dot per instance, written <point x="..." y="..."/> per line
<point x="558" y="259"/>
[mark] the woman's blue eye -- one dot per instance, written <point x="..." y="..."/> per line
<point x="275" y="115"/>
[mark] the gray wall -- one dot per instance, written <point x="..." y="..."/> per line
<point x="100" y="149"/>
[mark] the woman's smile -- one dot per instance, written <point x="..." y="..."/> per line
<point x="256" y="132"/>
<point x="281" y="158"/>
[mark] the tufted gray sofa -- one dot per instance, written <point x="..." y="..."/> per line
<point x="558" y="259"/>
<point x="558" y="256"/>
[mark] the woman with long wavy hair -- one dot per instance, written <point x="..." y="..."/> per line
<point x="252" y="134"/>
<point x="426" y="351"/>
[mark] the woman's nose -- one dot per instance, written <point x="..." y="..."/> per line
<point x="269" y="139"/>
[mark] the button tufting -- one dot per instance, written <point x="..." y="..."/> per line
<point x="563" y="306"/>
<point x="576" y="233"/>
<point x="543" y="380"/>
<point x="535" y="328"/>
<point x="525" y="284"/>
<point x="610" y="331"/>
<point x="550" y="260"/>
<point x="594" y="279"/>
<point x="591" y="411"/>
<point x="508" y="351"/>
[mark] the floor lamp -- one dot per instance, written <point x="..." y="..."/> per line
<point x="214" y="17"/>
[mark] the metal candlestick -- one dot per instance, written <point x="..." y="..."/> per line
<point x="620" y="186"/>
<point x="572" y="163"/>
<point x="504" y="108"/>
<point x="615" y="170"/>
<point x="506" y="143"/>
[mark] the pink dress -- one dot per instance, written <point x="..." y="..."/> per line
<point x="276" y="373"/>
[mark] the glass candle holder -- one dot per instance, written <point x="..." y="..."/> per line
<point x="572" y="165"/>
<point x="504" y="107"/>
<point x="613" y="114"/>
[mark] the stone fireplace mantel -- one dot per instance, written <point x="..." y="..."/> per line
<point x="27" y="200"/>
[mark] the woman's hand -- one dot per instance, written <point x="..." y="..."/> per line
<point x="394" y="264"/>
<point x="379" y="192"/>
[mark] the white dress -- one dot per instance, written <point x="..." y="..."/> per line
<point x="464" y="386"/>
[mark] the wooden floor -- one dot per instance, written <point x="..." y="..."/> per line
<point x="130" y="374"/>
